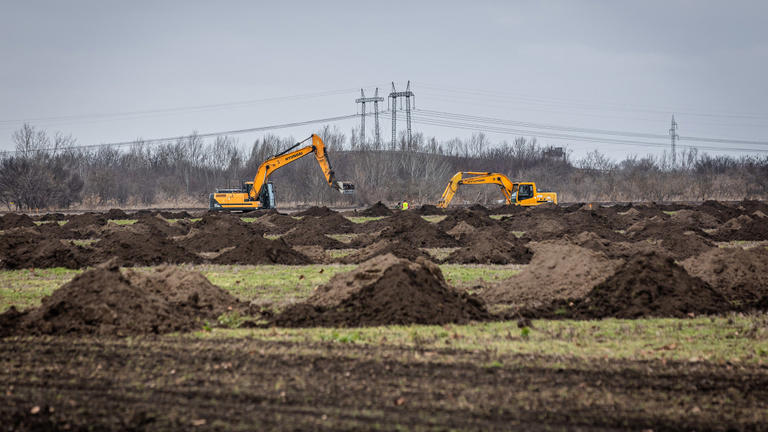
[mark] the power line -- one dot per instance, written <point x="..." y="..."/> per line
<point x="204" y="135"/>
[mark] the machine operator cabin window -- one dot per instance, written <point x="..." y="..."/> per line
<point x="526" y="191"/>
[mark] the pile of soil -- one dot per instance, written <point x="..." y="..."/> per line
<point x="116" y="214"/>
<point x="138" y="249"/>
<point x="174" y="215"/>
<point x="558" y="270"/>
<point x="276" y="223"/>
<point x="159" y="226"/>
<point x="658" y="228"/>
<point x="697" y="219"/>
<point x="489" y="247"/>
<point x="214" y="232"/>
<point x="85" y="221"/>
<point x="311" y="235"/>
<point x="15" y="220"/>
<point x="648" y="285"/>
<point x="472" y="217"/>
<point x="316" y="212"/>
<point x="396" y="247"/>
<point x="616" y="250"/>
<point x="385" y="291"/>
<point x="259" y="250"/>
<point x="50" y="217"/>
<point x="743" y="228"/>
<point x="46" y="253"/>
<point x="429" y="210"/>
<point x="413" y="229"/>
<point x="107" y="302"/>
<point x="333" y="223"/>
<point x="682" y="246"/>
<point x="461" y="229"/>
<point x="719" y="210"/>
<point x="740" y="275"/>
<point x="378" y="209"/>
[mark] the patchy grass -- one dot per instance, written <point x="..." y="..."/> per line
<point x="364" y="219"/>
<point x="339" y="253"/>
<point x="344" y="238"/>
<point x="25" y="288"/>
<point x="733" y="339"/>
<point x="434" y="218"/>
<point x="248" y="219"/>
<point x="38" y="223"/>
<point x="84" y="243"/>
<point x="745" y="244"/>
<point x="123" y="221"/>
<point x="439" y="253"/>
<point x="671" y="212"/>
<point x="463" y="275"/>
<point x="499" y="216"/>
<point x="272" y="236"/>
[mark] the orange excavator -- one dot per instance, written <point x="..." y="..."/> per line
<point x="515" y="193"/>
<point x="260" y="194"/>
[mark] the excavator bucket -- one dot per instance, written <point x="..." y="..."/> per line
<point x="346" y="188"/>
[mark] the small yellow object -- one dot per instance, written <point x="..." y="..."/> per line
<point x="405" y="205"/>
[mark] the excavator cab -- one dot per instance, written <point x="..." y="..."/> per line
<point x="346" y="188"/>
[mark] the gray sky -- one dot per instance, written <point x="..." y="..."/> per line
<point x="615" y="65"/>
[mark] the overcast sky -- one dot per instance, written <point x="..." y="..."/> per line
<point x="616" y="65"/>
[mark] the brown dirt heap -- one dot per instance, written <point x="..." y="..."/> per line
<point x="378" y="209"/>
<point x="743" y="228"/>
<point x="491" y="247"/>
<point x="741" y="275"/>
<point x="85" y="220"/>
<point x="105" y="301"/>
<point x="218" y="231"/>
<point x="396" y="247"/>
<point x="311" y="235"/>
<point x="15" y="220"/>
<point x="137" y="249"/>
<point x="385" y="291"/>
<point x="413" y="229"/>
<point x="116" y="214"/>
<point x="159" y="226"/>
<point x="259" y="250"/>
<point x="558" y="270"/>
<point x="316" y="212"/>
<point x="648" y="285"/>
<point x="474" y="218"/>
<point x="333" y="223"/>
<point x="45" y="253"/>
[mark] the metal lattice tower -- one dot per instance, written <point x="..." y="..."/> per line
<point x="674" y="136"/>
<point x="362" y="100"/>
<point x="393" y="96"/>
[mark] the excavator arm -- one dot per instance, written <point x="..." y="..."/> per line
<point x="508" y="188"/>
<point x="318" y="148"/>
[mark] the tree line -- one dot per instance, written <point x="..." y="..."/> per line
<point x="49" y="171"/>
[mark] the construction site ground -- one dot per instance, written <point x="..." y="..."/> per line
<point x="640" y="317"/>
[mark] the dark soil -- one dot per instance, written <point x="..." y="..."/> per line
<point x="316" y="212"/>
<point x="491" y="247"/>
<point x="106" y="301"/>
<point x="136" y="249"/>
<point x="385" y="291"/>
<point x="214" y="232"/>
<point x="38" y="252"/>
<point x="474" y="218"/>
<point x="85" y="220"/>
<point x="276" y="223"/>
<point x="116" y="214"/>
<point x="159" y="226"/>
<point x="741" y="275"/>
<point x="309" y="234"/>
<point x="743" y="228"/>
<point x="174" y="215"/>
<point x="413" y="229"/>
<point x="396" y="247"/>
<point x="429" y="210"/>
<point x="333" y="223"/>
<point x="50" y="217"/>
<point x="646" y="286"/>
<point x="15" y="220"/>
<point x="378" y="209"/>
<point x="259" y="250"/>
<point x="558" y="270"/>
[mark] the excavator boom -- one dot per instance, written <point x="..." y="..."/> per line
<point x="258" y="194"/>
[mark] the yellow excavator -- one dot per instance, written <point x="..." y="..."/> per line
<point x="260" y="193"/>
<point x="516" y="193"/>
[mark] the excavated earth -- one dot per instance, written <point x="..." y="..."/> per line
<point x="385" y="290"/>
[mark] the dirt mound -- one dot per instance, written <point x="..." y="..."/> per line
<point x="138" y="249"/>
<point x="15" y="220"/>
<point x="214" y="232"/>
<point x="107" y="302"/>
<point x="332" y="223"/>
<point x="34" y="251"/>
<point x="741" y="275"/>
<point x="461" y="228"/>
<point x="258" y="250"/>
<point x="472" y="217"/>
<point x="692" y="218"/>
<point x="682" y="246"/>
<point x="396" y="247"/>
<point x="645" y="286"/>
<point x="116" y="214"/>
<point x="385" y="291"/>
<point x="85" y="221"/>
<point x="50" y="217"/>
<point x="311" y="235"/>
<point x="276" y="223"/>
<point x="719" y="210"/>
<point x="558" y="270"/>
<point x="413" y="229"/>
<point x="159" y="226"/>
<point x="174" y="215"/>
<point x="616" y="250"/>
<point x="491" y="247"/>
<point x="743" y="228"/>
<point x="316" y="212"/>
<point x="429" y="210"/>
<point x="378" y="209"/>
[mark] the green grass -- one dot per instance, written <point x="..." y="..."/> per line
<point x="38" y="223"/>
<point x="344" y="238"/>
<point x="123" y="221"/>
<point x="84" y="243"/>
<point x="272" y="236"/>
<point x="339" y="253"/>
<point x="364" y="219"/>
<point x="472" y="274"/>
<point x="248" y="219"/>
<point x="732" y="339"/>
<point x="670" y="212"/>
<point x="439" y="253"/>
<point x="25" y="288"/>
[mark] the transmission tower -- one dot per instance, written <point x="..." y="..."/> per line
<point x="674" y="136"/>
<point x="362" y="100"/>
<point x="407" y="94"/>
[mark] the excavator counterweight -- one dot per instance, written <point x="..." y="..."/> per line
<point x="260" y="194"/>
